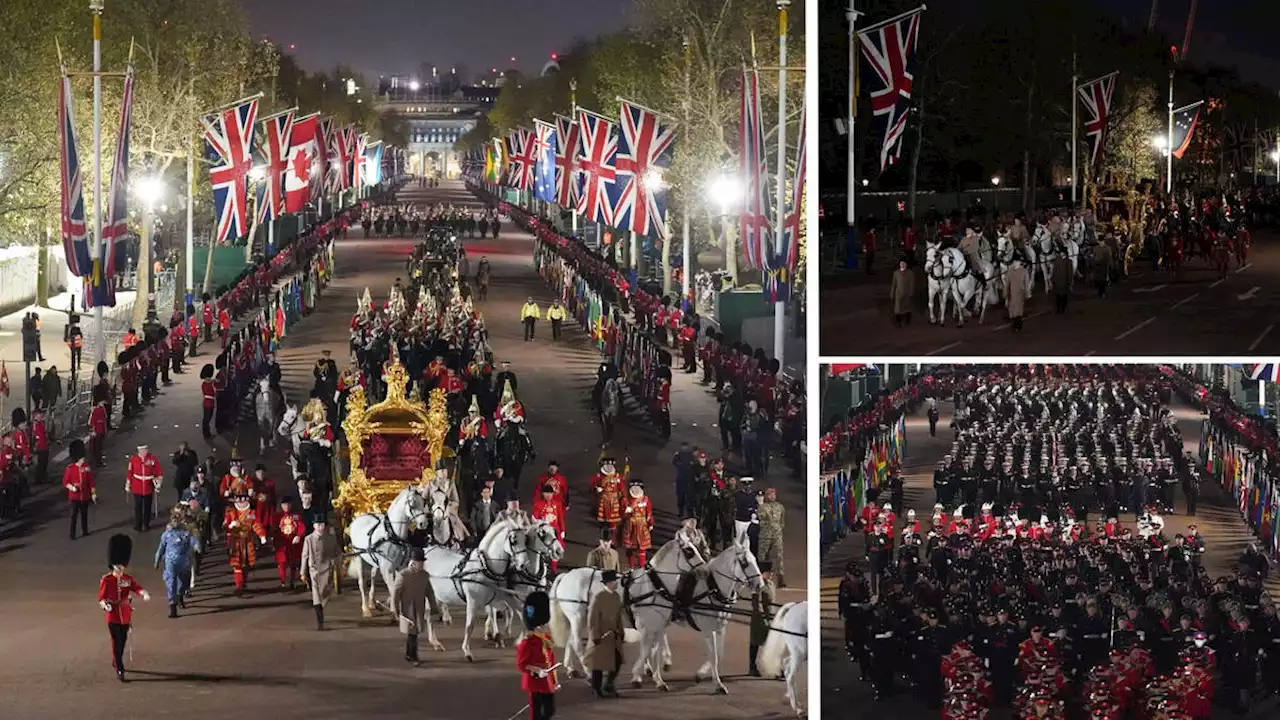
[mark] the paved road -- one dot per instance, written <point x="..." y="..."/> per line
<point x="842" y="694"/>
<point x="1151" y="313"/>
<point x="260" y="654"/>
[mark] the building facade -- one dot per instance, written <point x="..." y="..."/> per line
<point x="437" y="120"/>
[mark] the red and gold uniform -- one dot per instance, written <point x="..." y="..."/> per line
<point x="22" y="446"/>
<point x="233" y="485"/>
<point x="143" y="472"/>
<point x="265" y="499"/>
<point x="536" y="650"/>
<point x="244" y="534"/>
<point x="78" y="480"/>
<point x="637" y="537"/>
<point x="548" y="509"/>
<point x="608" y="487"/>
<point x="434" y="373"/>
<point x="473" y="427"/>
<point x="288" y="531"/>
<point x="557" y="481"/>
<point x="453" y="385"/>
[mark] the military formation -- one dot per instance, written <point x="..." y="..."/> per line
<point x="1009" y="596"/>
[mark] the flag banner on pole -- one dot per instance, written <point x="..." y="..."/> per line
<point x="101" y="291"/>
<point x="359" y="143"/>
<point x="1265" y="371"/>
<point x="754" y="219"/>
<point x="1096" y="96"/>
<point x="1185" y="120"/>
<point x="228" y="139"/>
<point x="372" y="174"/>
<point x="646" y="143"/>
<point x="262" y="203"/>
<point x="889" y="50"/>
<point x="337" y="172"/>
<point x="276" y="148"/>
<point x="782" y="266"/>
<point x="544" y="181"/>
<point x="324" y="142"/>
<point x="304" y="169"/>
<point x="837" y="368"/>
<point x="566" y="161"/>
<point x="521" y="159"/>
<point x="1237" y="143"/>
<point x="75" y="230"/>
<point x="596" y="166"/>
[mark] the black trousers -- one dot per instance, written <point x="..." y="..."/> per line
<point x="555" y="329"/>
<point x="80" y="509"/>
<point x="529" y="324"/>
<point x="42" y="466"/>
<point x="142" y="512"/>
<point x="206" y="421"/>
<point x="542" y="706"/>
<point x="411" y="646"/>
<point x="119" y="636"/>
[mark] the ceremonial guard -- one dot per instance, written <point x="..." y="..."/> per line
<point x="558" y="482"/>
<point x="97" y="432"/>
<point x="606" y="631"/>
<point x="115" y="596"/>
<point x="509" y="408"/>
<point x="244" y="534"/>
<point x="444" y="484"/>
<point x="264" y="496"/>
<point x="209" y="400"/>
<point x="603" y="556"/>
<point x="608" y="487"/>
<point x="81" y="489"/>
<point x="547" y="508"/>
<point x="536" y="659"/>
<point x="145" y="477"/>
<point x="234" y="482"/>
<point x="506" y="376"/>
<point x="288" y="532"/>
<point x="174" y="553"/>
<point x="474" y="427"/>
<point x="321" y="556"/>
<point x="637" y="535"/>
<point x="40" y="441"/>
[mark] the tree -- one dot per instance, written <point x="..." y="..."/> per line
<point x="1135" y="121"/>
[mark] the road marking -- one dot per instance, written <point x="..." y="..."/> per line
<point x="1153" y="288"/>
<point x="1243" y="267"/>
<point x="945" y="348"/>
<point x="1219" y="282"/>
<point x="1258" y="342"/>
<point x="1135" y="328"/>
<point x="1248" y="295"/>
<point x="1090" y="353"/>
<point x="1185" y="300"/>
<point x="1006" y="326"/>
<point x="7" y="333"/>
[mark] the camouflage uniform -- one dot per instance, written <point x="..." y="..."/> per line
<point x="772" y="523"/>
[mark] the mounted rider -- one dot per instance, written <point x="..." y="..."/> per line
<point x="474" y="427"/>
<point x="444" y="484"/>
<point x="316" y="446"/>
<point x="509" y="408"/>
<point x="693" y="545"/>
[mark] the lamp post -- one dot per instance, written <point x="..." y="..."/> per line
<point x="725" y="192"/>
<point x="1161" y="144"/>
<point x="96" y="7"/>
<point x="995" y="183"/>
<point x="148" y="190"/>
<point x="1275" y="157"/>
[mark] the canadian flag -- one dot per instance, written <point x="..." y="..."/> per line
<point x="304" y="165"/>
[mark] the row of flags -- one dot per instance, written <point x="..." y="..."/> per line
<point x="1243" y="474"/>
<point x="301" y="159"/>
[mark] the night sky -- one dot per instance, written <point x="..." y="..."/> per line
<point x="386" y="37"/>
<point x="1238" y="34"/>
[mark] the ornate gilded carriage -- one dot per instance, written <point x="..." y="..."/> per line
<point x="390" y="445"/>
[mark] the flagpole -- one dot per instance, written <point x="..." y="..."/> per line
<point x="191" y="232"/>
<point x="851" y="173"/>
<point x="1256" y="146"/>
<point x="685" y="250"/>
<point x="1168" y="180"/>
<point x="1075" y="168"/>
<point x="780" y="306"/>
<point x="573" y="118"/>
<point x="96" y="7"/>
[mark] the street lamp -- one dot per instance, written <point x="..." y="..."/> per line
<point x="865" y="182"/>
<point x="149" y="189"/>
<point x="652" y="180"/>
<point x="414" y="85"/>
<point x="726" y="192"/>
<point x="257" y="173"/>
<point x="995" y="181"/>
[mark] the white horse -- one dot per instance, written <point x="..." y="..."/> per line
<point x="571" y="596"/>
<point x="380" y="540"/>
<point x="968" y="283"/>
<point x="512" y="559"/>
<point x="1047" y="246"/>
<point x="789" y="636"/>
<point x="292" y="426"/>
<point x="939" y="282"/>
<point x="1006" y="254"/>
<point x="267" y="412"/>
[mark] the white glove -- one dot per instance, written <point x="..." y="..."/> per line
<point x="72" y="488"/>
<point x="599" y="489"/>
<point x="539" y="672"/>
<point x="146" y="596"/>
<point x="234" y="524"/>
<point x="297" y="540"/>
<point x="262" y="541"/>
<point x="105" y="605"/>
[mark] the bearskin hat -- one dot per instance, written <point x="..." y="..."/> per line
<point x="119" y="550"/>
<point x="205" y="297"/>
<point x="19" y="416"/>
<point x="206" y="372"/>
<point x="537" y="610"/>
<point x="76" y="450"/>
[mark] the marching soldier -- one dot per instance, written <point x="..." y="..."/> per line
<point x="115" y="596"/>
<point x="536" y="659"/>
<point x="854" y="603"/>
<point x="177" y="546"/>
<point x="638" y="537"/>
<point x="607" y="485"/>
<point x="81" y="490"/>
<point x="242" y="528"/>
<point x="145" y="477"/>
<point x="882" y="651"/>
<point x="209" y="400"/>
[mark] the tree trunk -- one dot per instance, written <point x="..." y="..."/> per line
<point x="913" y="174"/>
<point x="666" y="262"/>
<point x="142" y="274"/>
<point x="729" y="242"/>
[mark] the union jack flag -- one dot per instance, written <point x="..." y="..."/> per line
<point x="754" y="219"/>
<point x="359" y="142"/>
<point x="644" y="150"/>
<point x="1265" y="371"/>
<point x="1237" y="141"/>
<point x="779" y="281"/>
<point x="1096" y="96"/>
<point x="325" y="143"/>
<point x="75" y="231"/>
<point x="566" y="160"/>
<point x="101" y="291"/>
<point x="339" y="158"/>
<point x="596" y="166"/>
<point x="522" y="159"/>
<point x="889" y="50"/>
<point x="279" y="138"/>
<point x="229" y="147"/>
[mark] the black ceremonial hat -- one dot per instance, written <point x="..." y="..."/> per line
<point x="76" y="450"/>
<point x="119" y="550"/>
<point x="537" y="609"/>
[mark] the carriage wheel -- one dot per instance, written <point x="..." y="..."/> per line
<point x="1129" y="254"/>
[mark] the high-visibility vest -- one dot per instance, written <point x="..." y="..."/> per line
<point x="530" y="310"/>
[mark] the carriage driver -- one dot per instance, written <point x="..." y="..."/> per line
<point x="693" y="545"/>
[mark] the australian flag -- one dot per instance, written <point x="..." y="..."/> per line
<point x="544" y="174"/>
<point x="1185" y="120"/>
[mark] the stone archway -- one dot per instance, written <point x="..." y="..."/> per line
<point x="433" y="164"/>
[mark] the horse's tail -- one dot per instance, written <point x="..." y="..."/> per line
<point x="769" y="659"/>
<point x="355" y="565"/>
<point x="559" y="621"/>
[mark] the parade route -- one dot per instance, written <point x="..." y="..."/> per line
<point x="1152" y="313"/>
<point x="1217" y="518"/>
<point x="260" y="655"/>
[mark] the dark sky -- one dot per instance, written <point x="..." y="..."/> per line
<point x="386" y="37"/>
<point x="1239" y="34"/>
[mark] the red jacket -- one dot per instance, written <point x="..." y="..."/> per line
<point x="209" y="393"/>
<point x="142" y="474"/>
<point x="78" y="480"/>
<point x="98" y="420"/>
<point x="40" y="435"/>
<point x="22" y="446"/>
<point x="118" y="592"/>
<point x="206" y="315"/>
<point x="536" y="650"/>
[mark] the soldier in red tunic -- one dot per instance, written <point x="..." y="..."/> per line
<point x="547" y="508"/>
<point x="40" y="438"/>
<point x="115" y="596"/>
<point x="209" y="399"/>
<point x="608" y="487"/>
<point x="244" y="534"/>
<point x="288" y="532"/>
<point x="536" y="658"/>
<point x="264" y="496"/>
<point x="81" y="490"/>
<point x="637" y="537"/>
<point x="144" y="478"/>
